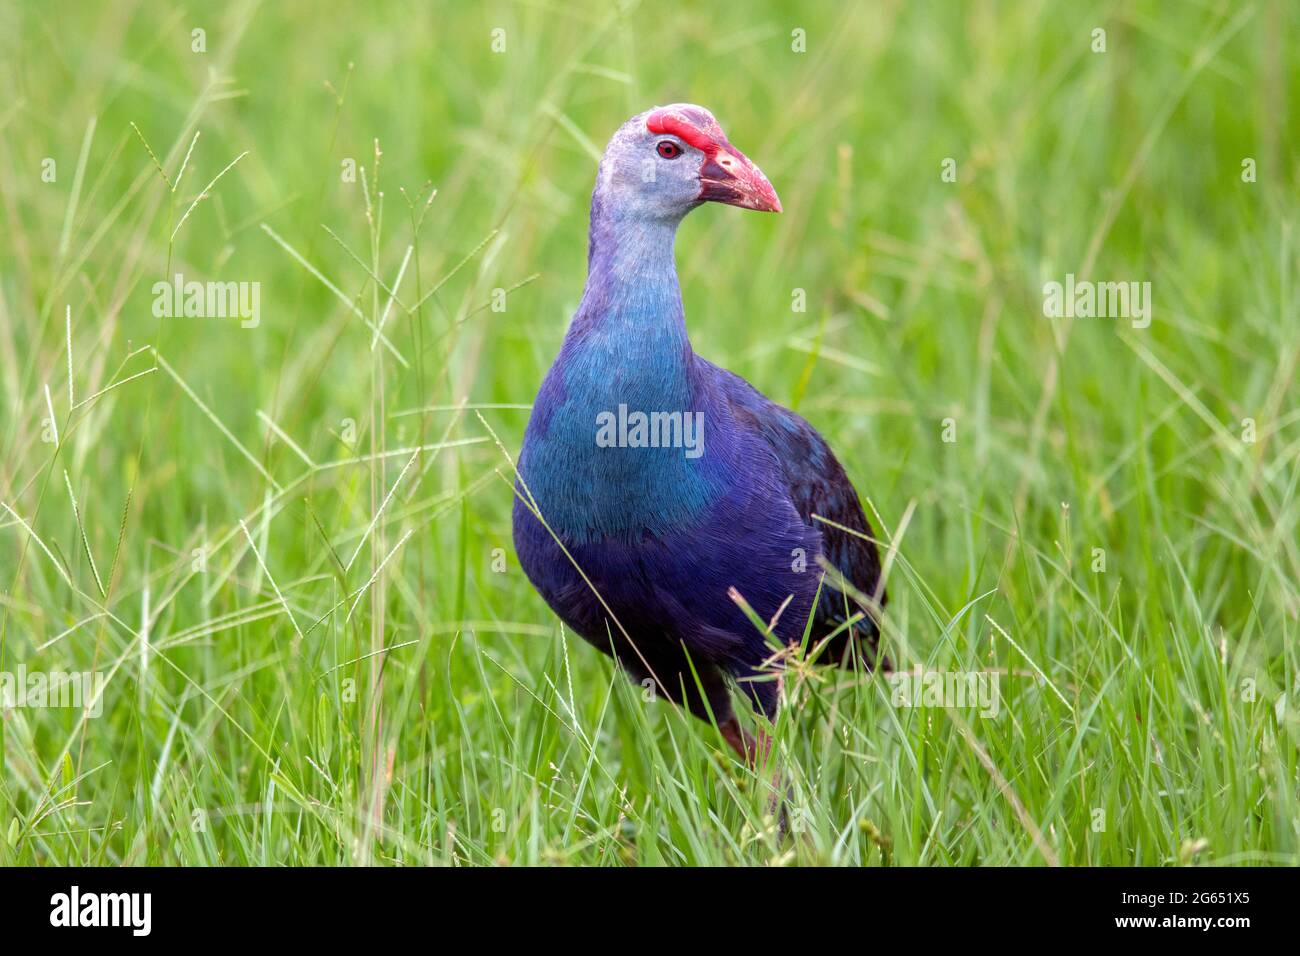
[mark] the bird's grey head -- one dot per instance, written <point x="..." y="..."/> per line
<point x="664" y="162"/>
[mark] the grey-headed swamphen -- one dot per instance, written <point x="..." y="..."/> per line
<point x="651" y="482"/>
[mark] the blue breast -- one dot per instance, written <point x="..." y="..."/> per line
<point x="628" y="363"/>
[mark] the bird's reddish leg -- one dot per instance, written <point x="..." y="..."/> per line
<point x="743" y="743"/>
<point x="754" y="752"/>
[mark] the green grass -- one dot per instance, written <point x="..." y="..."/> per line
<point x="345" y="678"/>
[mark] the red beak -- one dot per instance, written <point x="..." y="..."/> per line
<point x="729" y="177"/>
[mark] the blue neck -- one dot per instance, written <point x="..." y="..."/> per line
<point x="626" y="346"/>
<point x="632" y="304"/>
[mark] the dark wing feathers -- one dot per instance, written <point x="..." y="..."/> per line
<point x="818" y="485"/>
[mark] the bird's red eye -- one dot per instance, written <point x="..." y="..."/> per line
<point x="668" y="149"/>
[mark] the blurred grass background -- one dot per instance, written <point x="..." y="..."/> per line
<point x="318" y="686"/>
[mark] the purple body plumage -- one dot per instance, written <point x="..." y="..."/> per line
<point x="635" y="537"/>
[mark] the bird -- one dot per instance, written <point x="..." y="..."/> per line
<point x="662" y="503"/>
